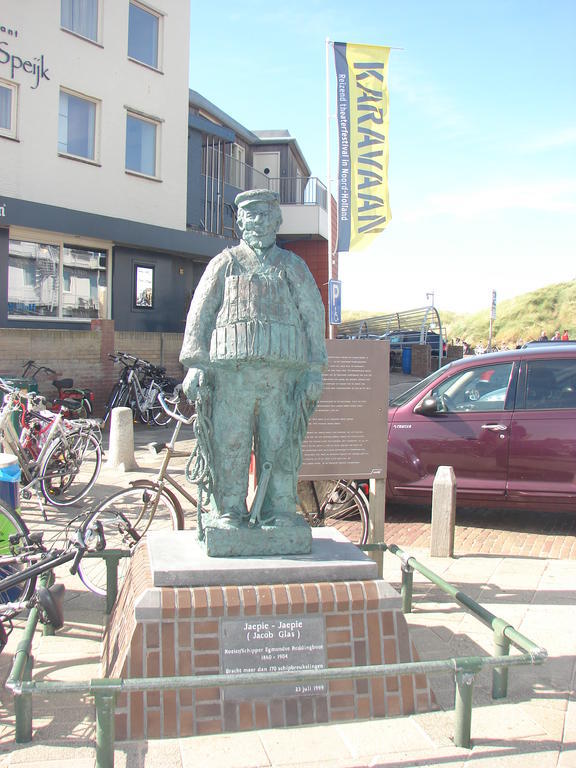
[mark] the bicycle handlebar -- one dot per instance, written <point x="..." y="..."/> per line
<point x="129" y="361"/>
<point x="30" y="365"/>
<point x="175" y="414"/>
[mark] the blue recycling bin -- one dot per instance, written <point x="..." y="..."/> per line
<point x="10" y="481"/>
<point x="407" y="360"/>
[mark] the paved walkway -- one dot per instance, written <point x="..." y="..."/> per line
<point x="535" y="726"/>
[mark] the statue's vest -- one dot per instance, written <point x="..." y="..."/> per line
<point x="259" y="319"/>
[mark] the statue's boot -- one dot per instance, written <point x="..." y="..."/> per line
<point x="282" y="513"/>
<point x="232" y="512"/>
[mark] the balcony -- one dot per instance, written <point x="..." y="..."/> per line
<point x="303" y="200"/>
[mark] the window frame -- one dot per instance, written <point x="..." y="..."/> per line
<point x="42" y="238"/>
<point x="77" y="33"/>
<point x="12" y="131"/>
<point x="159" y="35"/>
<point x="95" y="160"/>
<point x="140" y="267"/>
<point x="157" y="123"/>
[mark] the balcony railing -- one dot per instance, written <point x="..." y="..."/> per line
<point x="297" y="190"/>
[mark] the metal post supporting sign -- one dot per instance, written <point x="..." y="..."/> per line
<point x="334" y="302"/>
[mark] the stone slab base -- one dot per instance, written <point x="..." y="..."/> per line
<point x="167" y="631"/>
<point x="177" y="559"/>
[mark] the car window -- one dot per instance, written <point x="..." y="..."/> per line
<point x="482" y="388"/>
<point x="550" y="384"/>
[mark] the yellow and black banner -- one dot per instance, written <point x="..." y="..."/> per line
<point x="362" y="112"/>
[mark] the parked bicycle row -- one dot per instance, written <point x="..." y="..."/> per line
<point x="138" y="385"/>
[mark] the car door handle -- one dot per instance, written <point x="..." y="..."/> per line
<point x="494" y="427"/>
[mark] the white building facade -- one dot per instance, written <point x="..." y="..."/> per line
<point x="93" y="160"/>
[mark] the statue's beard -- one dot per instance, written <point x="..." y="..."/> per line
<point x="259" y="242"/>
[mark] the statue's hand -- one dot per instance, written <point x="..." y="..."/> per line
<point x="314" y="385"/>
<point x="193" y="380"/>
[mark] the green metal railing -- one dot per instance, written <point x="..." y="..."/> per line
<point x="464" y="669"/>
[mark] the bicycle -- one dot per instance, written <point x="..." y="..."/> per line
<point x="138" y="387"/>
<point x="61" y="457"/>
<point x="340" y="504"/>
<point x="24" y="557"/>
<point x="68" y="394"/>
<point x="127" y="515"/>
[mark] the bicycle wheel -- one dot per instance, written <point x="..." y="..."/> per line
<point x="70" y="468"/>
<point x="337" y="503"/>
<point x="125" y="518"/>
<point x="12" y="525"/>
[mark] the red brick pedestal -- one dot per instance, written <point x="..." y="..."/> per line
<point x="166" y="631"/>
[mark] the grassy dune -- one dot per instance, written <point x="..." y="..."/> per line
<point x="551" y="308"/>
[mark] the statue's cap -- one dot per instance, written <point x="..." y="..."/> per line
<point x="257" y="196"/>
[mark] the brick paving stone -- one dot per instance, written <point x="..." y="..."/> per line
<point x="495" y="532"/>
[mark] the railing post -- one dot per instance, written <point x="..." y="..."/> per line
<point x="112" y="560"/>
<point x="46" y="580"/>
<point x="376" y="519"/>
<point x="23" y="708"/>
<point x="463" y="705"/>
<point x="500" y="674"/>
<point x="105" y="701"/>
<point x="407" y="587"/>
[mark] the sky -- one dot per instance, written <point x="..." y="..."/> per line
<point x="482" y="136"/>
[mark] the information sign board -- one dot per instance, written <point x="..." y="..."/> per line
<point x="347" y="434"/>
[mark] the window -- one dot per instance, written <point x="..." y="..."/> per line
<point x="8" y="100"/>
<point x="551" y="384"/>
<point x="77" y="126"/>
<point x="476" y="389"/>
<point x="143" y="35"/>
<point x="143" y="287"/>
<point x="56" y="280"/>
<point x="81" y="17"/>
<point x="141" y="144"/>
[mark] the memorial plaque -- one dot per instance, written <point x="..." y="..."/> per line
<point x="272" y="644"/>
<point x="347" y="435"/>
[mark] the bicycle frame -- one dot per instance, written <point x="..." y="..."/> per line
<point x="163" y="477"/>
<point x="144" y="398"/>
<point x="30" y="467"/>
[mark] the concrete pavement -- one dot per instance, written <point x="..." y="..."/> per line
<point x="534" y="726"/>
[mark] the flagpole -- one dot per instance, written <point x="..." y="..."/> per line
<point x="328" y="179"/>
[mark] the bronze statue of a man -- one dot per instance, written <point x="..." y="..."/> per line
<point x="255" y="340"/>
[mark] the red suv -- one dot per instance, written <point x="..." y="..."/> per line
<point x="505" y="422"/>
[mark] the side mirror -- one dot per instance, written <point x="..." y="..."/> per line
<point x="428" y="407"/>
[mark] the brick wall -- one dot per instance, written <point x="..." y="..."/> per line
<point x="315" y="254"/>
<point x="83" y="355"/>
